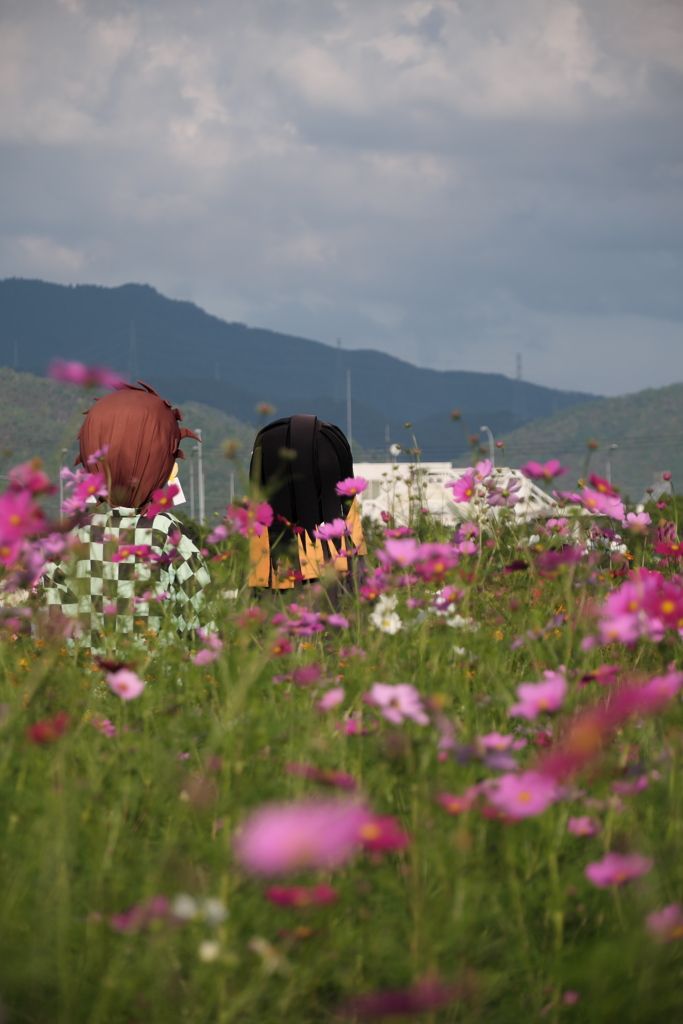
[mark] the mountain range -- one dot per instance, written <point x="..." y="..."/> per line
<point x="189" y="355"/>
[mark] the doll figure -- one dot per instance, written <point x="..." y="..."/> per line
<point x="134" y="574"/>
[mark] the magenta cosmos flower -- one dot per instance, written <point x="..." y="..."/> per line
<point x="300" y="895"/>
<point x="617" y="869"/>
<point x="667" y="924"/>
<point x="162" y="500"/>
<point x="543" y="470"/>
<point x="537" y="697"/>
<point x="464" y="488"/>
<point x="396" y="702"/>
<point x="84" y="376"/>
<point x="125" y="683"/>
<point x="351" y="486"/>
<point x="523" y="795"/>
<point x="281" y="838"/>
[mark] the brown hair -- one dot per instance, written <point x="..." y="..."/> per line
<point x="140" y="433"/>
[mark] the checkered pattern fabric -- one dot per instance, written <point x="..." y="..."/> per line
<point x="129" y="594"/>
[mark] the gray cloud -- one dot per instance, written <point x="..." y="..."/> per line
<point x="451" y="182"/>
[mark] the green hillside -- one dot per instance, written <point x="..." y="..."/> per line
<point x="647" y="427"/>
<point x="41" y="417"/>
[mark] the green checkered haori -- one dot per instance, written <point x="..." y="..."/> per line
<point x="131" y="595"/>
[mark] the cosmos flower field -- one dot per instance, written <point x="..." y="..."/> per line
<point x="453" y="795"/>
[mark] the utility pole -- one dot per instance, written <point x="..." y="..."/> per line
<point x="492" y="450"/>
<point x="200" y="477"/>
<point x="348" y="408"/>
<point x="193" y="450"/>
<point x="133" y="371"/>
<point x="608" y="467"/>
<point x="61" y="482"/>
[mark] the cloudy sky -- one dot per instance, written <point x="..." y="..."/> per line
<point x="453" y="181"/>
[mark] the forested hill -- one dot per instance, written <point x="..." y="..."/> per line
<point x="40" y="417"/>
<point x="646" y="426"/>
<point x="192" y="355"/>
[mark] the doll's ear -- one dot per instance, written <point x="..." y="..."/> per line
<point x="178" y="415"/>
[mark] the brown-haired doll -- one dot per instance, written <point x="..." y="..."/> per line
<point x="134" y="573"/>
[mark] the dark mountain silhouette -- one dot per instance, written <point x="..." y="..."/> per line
<point x="191" y="355"/>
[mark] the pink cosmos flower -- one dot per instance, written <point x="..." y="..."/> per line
<point x="162" y="500"/>
<point x="523" y="795"/>
<point x="458" y="804"/>
<point x="637" y="522"/>
<point x="104" y="725"/>
<point x="249" y="518"/>
<point x="583" y="826"/>
<point x="218" y="534"/>
<point x="299" y="896"/>
<point x="464" y="488"/>
<point x="127" y="551"/>
<point x="84" y="376"/>
<point x="142" y="915"/>
<point x="125" y="683"/>
<point x="351" y="486"/>
<point x="501" y="741"/>
<point x="537" y="697"/>
<point x="281" y="838"/>
<point x="328" y="531"/>
<point x="625" y="787"/>
<point x="602" y="486"/>
<point x="331" y="699"/>
<point x="397" y="702"/>
<point x="667" y="924"/>
<point x="30" y="477"/>
<point x="382" y="833"/>
<point x="337" y="620"/>
<point x="20" y="516"/>
<point x="505" y="494"/>
<point x="602" y="504"/>
<point x="617" y="869"/>
<point x="483" y="469"/>
<point x="402" y="552"/>
<point x="212" y="649"/>
<point x="543" y="471"/>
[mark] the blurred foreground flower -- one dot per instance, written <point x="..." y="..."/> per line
<point x="125" y="683"/>
<point x="537" y="697"/>
<point x="423" y="997"/>
<point x="523" y="795"/>
<point x="301" y="896"/>
<point x="583" y="826"/>
<point x="617" y="869"/>
<point x="543" y="471"/>
<point x="85" y="376"/>
<point x="49" y="729"/>
<point x="397" y="702"/>
<point x="667" y="924"/>
<point x="281" y="838"/>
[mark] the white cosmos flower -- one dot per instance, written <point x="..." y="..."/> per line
<point x="386" y="621"/>
<point x="459" y="622"/>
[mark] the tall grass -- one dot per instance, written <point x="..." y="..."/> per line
<point x="500" y="911"/>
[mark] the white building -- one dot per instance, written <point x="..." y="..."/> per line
<point x="400" y="488"/>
